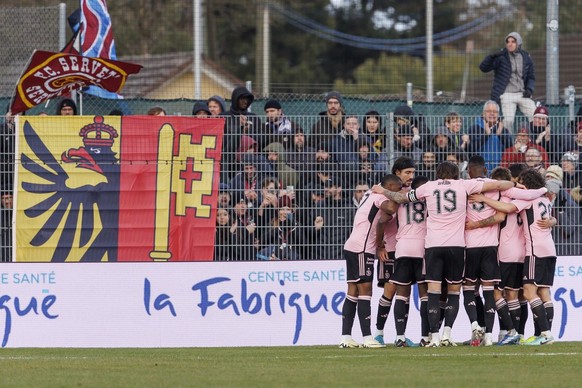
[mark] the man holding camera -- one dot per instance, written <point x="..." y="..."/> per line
<point x="514" y="79"/>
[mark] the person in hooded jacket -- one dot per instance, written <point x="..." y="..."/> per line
<point x="513" y="80"/>
<point x="216" y="106"/>
<point x="239" y="121"/>
<point x="277" y="158"/>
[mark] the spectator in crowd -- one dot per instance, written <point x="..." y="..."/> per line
<point x="517" y="152"/>
<point x="574" y="143"/>
<point x="244" y="227"/>
<point x="489" y="137"/>
<point x="338" y="217"/>
<point x="428" y="165"/>
<point x="157" y="111"/>
<point x="6" y="226"/>
<point x="247" y="145"/>
<point x="404" y="115"/>
<point x="454" y="123"/>
<point x="330" y="122"/>
<point x="246" y="184"/>
<point x="66" y="107"/>
<point x="282" y="241"/>
<point x="514" y="79"/>
<point x="566" y="233"/>
<point x="458" y="159"/>
<point x="216" y="106"/>
<point x="224" y="242"/>
<point x="367" y="173"/>
<point x="113" y="112"/>
<point x="310" y="215"/>
<point x="369" y="160"/>
<point x="321" y="173"/>
<point x="278" y="128"/>
<point x="373" y="129"/>
<point x="7" y="152"/>
<point x="404" y="145"/>
<point x="224" y="196"/>
<point x="574" y="125"/>
<point x="269" y="200"/>
<point x="359" y="190"/>
<point x="534" y="160"/>
<point x="516" y="170"/>
<point x="239" y="121"/>
<point x="277" y="157"/>
<point x="442" y="144"/>
<point x="543" y="137"/>
<point x="301" y="157"/>
<point x="310" y="203"/>
<point x="344" y="147"/>
<point x="200" y="109"/>
<point x="571" y="172"/>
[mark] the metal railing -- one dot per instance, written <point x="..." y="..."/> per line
<point x="289" y="188"/>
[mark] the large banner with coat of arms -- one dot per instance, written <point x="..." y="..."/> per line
<point x="139" y="188"/>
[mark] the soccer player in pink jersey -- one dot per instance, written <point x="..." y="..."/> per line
<point x="359" y="252"/>
<point x="409" y="266"/>
<point x="409" y="255"/>
<point x="386" y="229"/>
<point x="510" y="255"/>
<point x="540" y="251"/>
<point x="446" y="200"/>
<point x="481" y="263"/>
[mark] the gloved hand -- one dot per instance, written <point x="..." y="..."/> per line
<point x="527" y="93"/>
<point x="496" y="54"/>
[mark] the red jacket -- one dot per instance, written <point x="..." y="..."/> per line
<point x="512" y="156"/>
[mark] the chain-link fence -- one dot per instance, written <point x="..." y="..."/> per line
<point x="290" y="185"/>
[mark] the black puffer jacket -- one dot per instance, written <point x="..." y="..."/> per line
<point x="501" y="66"/>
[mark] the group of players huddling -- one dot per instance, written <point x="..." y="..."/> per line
<point x="451" y="235"/>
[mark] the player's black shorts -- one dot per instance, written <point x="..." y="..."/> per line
<point x="481" y="264"/>
<point x="445" y="263"/>
<point x="408" y="270"/>
<point x="385" y="270"/>
<point x="359" y="266"/>
<point x="511" y="276"/>
<point x="539" y="271"/>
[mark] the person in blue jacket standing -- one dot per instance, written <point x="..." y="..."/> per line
<point x="514" y="79"/>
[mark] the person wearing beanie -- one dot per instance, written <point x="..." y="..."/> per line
<point x="555" y="172"/>
<point x="200" y="109"/>
<point x="216" y="105"/>
<point x="272" y="104"/>
<point x="278" y="128"/>
<point x="331" y="121"/>
<point x="513" y="79"/>
<point x="66" y="107"/>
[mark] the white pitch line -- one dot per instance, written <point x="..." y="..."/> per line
<point x="375" y="354"/>
<point x="496" y="354"/>
<point x="28" y="358"/>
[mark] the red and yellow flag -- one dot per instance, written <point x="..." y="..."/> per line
<point x="140" y="188"/>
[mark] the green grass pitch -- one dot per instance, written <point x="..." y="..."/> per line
<point x="556" y="365"/>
